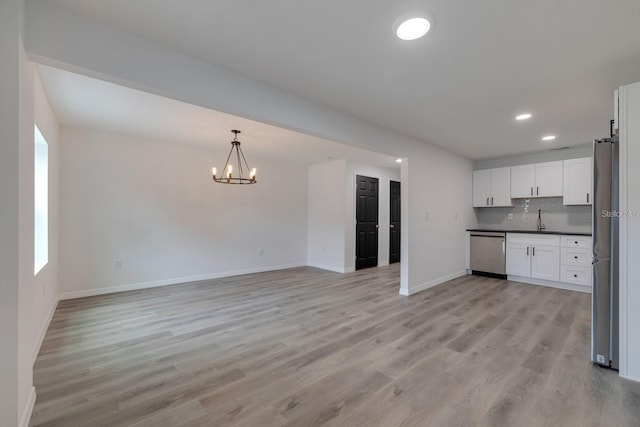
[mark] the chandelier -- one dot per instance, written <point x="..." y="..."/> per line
<point x="241" y="174"/>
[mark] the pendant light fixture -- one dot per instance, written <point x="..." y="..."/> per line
<point x="240" y="174"/>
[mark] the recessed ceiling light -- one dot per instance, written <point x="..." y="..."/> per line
<point x="398" y="160"/>
<point x="413" y="28"/>
<point x="524" y="116"/>
<point x="549" y="138"/>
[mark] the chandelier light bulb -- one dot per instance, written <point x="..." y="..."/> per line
<point x="214" y="172"/>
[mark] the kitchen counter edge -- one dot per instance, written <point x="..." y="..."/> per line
<point x="564" y="233"/>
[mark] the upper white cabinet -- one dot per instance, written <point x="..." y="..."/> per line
<point x="523" y="181"/>
<point x="578" y="181"/>
<point x="492" y="187"/>
<point x="537" y="180"/>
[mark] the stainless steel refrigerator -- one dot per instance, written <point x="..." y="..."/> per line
<point x="604" y="302"/>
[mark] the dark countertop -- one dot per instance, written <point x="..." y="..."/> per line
<point x="566" y="233"/>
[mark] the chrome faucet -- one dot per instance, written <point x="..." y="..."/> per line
<point x="540" y="224"/>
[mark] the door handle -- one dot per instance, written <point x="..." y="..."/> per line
<point x="533" y="251"/>
<point x="537" y="191"/>
<point x="527" y="250"/>
<point x="377" y="225"/>
<point x="492" y="201"/>
<point x="392" y="226"/>
<point x="587" y="197"/>
<point x="532" y="191"/>
<point x="487" y="201"/>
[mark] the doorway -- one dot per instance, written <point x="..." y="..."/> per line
<point x="366" y="222"/>
<point x="394" y="222"/>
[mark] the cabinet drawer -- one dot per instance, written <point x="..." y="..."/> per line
<point x="576" y="275"/>
<point x="576" y="242"/>
<point x="576" y="257"/>
<point x="533" y="239"/>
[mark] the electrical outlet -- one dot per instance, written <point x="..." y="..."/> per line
<point x="510" y="216"/>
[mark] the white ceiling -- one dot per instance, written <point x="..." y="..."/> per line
<point x="482" y="63"/>
<point x="87" y="102"/>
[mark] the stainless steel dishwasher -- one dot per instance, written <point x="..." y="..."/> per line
<point x="487" y="253"/>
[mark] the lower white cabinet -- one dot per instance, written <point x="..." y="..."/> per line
<point x="552" y="259"/>
<point x="518" y="259"/>
<point x="533" y="255"/>
<point x="545" y="263"/>
<point x="575" y="260"/>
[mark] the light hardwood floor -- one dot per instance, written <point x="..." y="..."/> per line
<point x="305" y="347"/>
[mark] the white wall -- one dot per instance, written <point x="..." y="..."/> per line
<point x="60" y="38"/>
<point x="23" y="307"/>
<point x="438" y="186"/>
<point x="584" y="150"/>
<point x="384" y="175"/>
<point x="10" y="58"/>
<point x="630" y="231"/>
<point x="45" y="284"/>
<point x="153" y="206"/>
<point x="326" y="219"/>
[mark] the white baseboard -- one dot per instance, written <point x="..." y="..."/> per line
<point x="28" y="409"/>
<point x="172" y="281"/>
<point x="424" y="286"/>
<point x="349" y="269"/>
<point x="550" y="284"/>
<point x="328" y="267"/>
<point x="44" y="328"/>
<point x="630" y="378"/>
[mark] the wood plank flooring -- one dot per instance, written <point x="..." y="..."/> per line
<point x="307" y="347"/>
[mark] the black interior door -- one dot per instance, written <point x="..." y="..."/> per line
<point x="394" y="222"/>
<point x="366" y="222"/>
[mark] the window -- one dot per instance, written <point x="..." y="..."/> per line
<point x="41" y="202"/>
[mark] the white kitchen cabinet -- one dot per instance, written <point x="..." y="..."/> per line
<point x="492" y="187"/>
<point x="578" y="181"/>
<point x="575" y="260"/>
<point x="523" y="181"/>
<point x="537" y="180"/>
<point x="533" y="255"/>
<point x="518" y="259"/>
<point x="481" y="188"/>
<point x="545" y="262"/>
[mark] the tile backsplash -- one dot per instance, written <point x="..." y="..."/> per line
<point x="555" y="215"/>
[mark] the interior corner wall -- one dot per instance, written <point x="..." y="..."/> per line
<point x="11" y="403"/>
<point x="438" y="186"/>
<point x="629" y="243"/>
<point x="326" y="217"/>
<point x="384" y="175"/>
<point x="44" y="285"/>
<point x="137" y="213"/>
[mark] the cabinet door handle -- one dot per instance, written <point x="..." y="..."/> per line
<point x="575" y="275"/>
<point x="527" y="250"/>
<point x="587" y="197"/>
<point x="492" y="201"/>
<point x="533" y="251"/>
<point x="576" y="257"/>
<point x="532" y="191"/>
<point x="537" y="191"/>
<point x="487" y="201"/>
